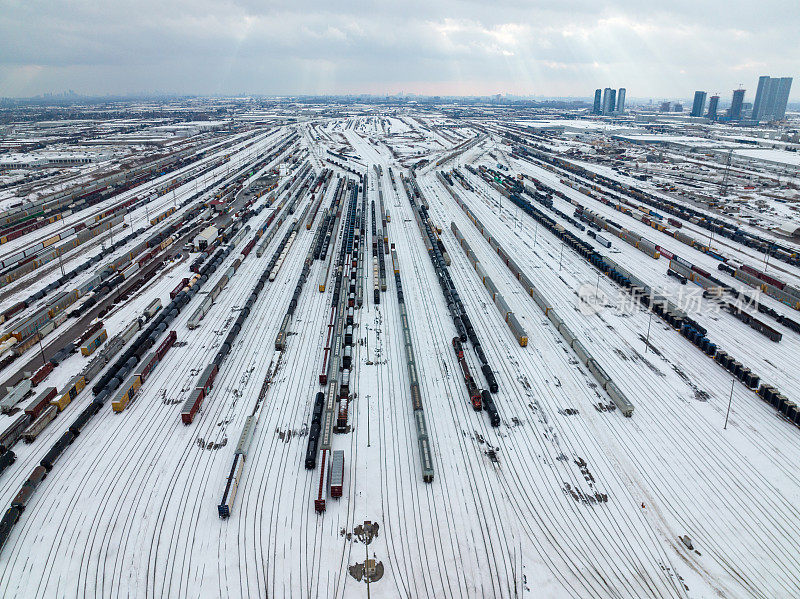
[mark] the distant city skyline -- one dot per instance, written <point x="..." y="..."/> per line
<point x="724" y="99"/>
<point x="445" y="48"/>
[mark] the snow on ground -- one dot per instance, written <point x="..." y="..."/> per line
<point x="562" y="500"/>
<point x="772" y="155"/>
<point x="690" y="228"/>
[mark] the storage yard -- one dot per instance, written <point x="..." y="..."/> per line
<point x="513" y="369"/>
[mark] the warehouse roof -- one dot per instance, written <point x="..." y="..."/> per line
<point x="790" y="228"/>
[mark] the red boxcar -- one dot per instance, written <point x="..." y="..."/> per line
<point x="675" y="223"/>
<point x="166" y="344"/>
<point x="665" y="252"/>
<point x="191" y="405"/>
<point x="173" y="294"/>
<point x="775" y="282"/>
<point x="41" y="374"/>
<point x="751" y="270"/>
<point x="337" y="473"/>
<point x="41" y="401"/>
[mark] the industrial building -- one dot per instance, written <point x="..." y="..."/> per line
<point x="205" y="238"/>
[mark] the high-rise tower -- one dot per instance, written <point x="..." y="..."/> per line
<point x="759" y="104"/>
<point x="771" y="98"/>
<point x="621" y="100"/>
<point x="782" y="98"/>
<point x="735" y="112"/>
<point x="609" y="100"/>
<point x="699" y="103"/>
<point x="713" y="103"/>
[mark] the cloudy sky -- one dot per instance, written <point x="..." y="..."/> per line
<point x="665" y="48"/>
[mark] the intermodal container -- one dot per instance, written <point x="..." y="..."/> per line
<point x="94" y="342"/>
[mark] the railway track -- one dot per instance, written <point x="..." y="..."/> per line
<point x="672" y="346"/>
<point x="564" y="498"/>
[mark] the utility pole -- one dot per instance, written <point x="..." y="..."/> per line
<point x="561" y="254"/>
<point x="724" y="190"/>
<point x="730" y="400"/>
<point x="41" y="347"/>
<point x="647" y="342"/>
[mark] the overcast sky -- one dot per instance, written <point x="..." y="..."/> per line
<point x="665" y="48"/>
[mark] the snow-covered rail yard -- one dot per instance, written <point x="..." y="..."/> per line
<point x="396" y="353"/>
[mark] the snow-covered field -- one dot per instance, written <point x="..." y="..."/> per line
<point x="561" y="500"/>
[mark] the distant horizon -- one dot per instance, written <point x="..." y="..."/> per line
<point x="448" y="48"/>
<point x="145" y="95"/>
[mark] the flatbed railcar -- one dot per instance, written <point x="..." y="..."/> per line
<point x="39" y="424"/>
